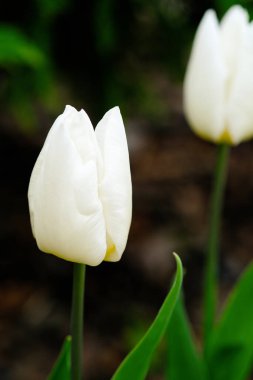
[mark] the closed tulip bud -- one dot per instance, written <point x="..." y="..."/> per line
<point x="218" y="87"/>
<point x="80" y="192"/>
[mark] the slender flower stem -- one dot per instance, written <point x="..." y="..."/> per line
<point x="210" y="275"/>
<point x="77" y="321"/>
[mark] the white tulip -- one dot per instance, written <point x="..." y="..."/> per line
<point x="218" y="87"/>
<point x="80" y="191"/>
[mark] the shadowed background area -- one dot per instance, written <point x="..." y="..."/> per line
<point x="95" y="55"/>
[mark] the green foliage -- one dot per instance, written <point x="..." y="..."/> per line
<point x="62" y="367"/>
<point x="184" y="362"/>
<point x="46" y="13"/>
<point x="49" y="9"/>
<point x="26" y="71"/>
<point x="230" y="352"/>
<point x="137" y="363"/>
<point x="105" y="26"/>
<point x="28" y="77"/>
<point x="127" y="50"/>
<point x="223" y="5"/>
<point x="16" y="49"/>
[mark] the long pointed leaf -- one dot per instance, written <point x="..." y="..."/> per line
<point x="230" y="352"/>
<point x="184" y="362"/>
<point x="137" y="363"/>
<point x="62" y="367"/>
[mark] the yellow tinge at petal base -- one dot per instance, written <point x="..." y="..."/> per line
<point x="110" y="250"/>
<point x="225" y="137"/>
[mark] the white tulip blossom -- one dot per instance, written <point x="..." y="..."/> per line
<point x="218" y="87"/>
<point x="80" y="191"/>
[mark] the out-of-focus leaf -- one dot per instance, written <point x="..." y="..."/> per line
<point x="105" y="28"/>
<point x="137" y="363"/>
<point x="184" y="362"/>
<point x="49" y="8"/>
<point x="62" y="367"/>
<point x="230" y="352"/>
<point x="223" y="5"/>
<point x="24" y="115"/>
<point x="16" y="49"/>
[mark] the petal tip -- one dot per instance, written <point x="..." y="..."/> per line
<point x="114" y="112"/>
<point x="69" y="108"/>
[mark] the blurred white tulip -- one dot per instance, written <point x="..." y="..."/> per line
<point x="218" y="87"/>
<point x="80" y="191"/>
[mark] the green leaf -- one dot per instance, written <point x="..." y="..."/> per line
<point x="62" y="367"/>
<point x="230" y="352"/>
<point x="136" y="364"/>
<point x="104" y="26"/>
<point x="222" y="6"/>
<point x="184" y="362"/>
<point x="49" y="9"/>
<point x="15" y="48"/>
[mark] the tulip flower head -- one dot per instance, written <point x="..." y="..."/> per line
<point x="80" y="192"/>
<point x="218" y="86"/>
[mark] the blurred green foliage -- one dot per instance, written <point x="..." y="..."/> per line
<point x="223" y="5"/>
<point x="27" y="77"/>
<point x="95" y="55"/>
<point x="25" y="74"/>
<point x="16" y="49"/>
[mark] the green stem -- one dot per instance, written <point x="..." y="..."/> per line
<point x="77" y="321"/>
<point x="210" y="275"/>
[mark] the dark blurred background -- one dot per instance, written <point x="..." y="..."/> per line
<point x="95" y="55"/>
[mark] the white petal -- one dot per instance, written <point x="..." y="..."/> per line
<point x="204" y="84"/>
<point x="233" y="27"/>
<point x="66" y="211"/>
<point x="239" y="105"/>
<point x="115" y="182"/>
